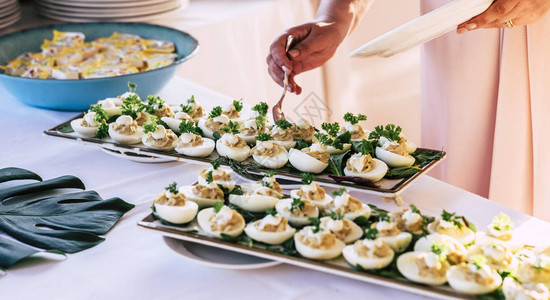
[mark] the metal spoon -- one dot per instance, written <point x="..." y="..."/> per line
<point x="277" y="109"/>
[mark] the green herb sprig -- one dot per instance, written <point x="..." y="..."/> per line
<point x="479" y="260"/>
<point x="307" y="178"/>
<point x="172" y="188"/>
<point x="367" y="147"/>
<point x="316" y="224"/>
<point x="262" y="137"/>
<point x="188" y="127"/>
<point x="297" y="204"/>
<point x="283" y="124"/>
<point x="371" y="234"/>
<point x="215" y="112"/>
<point x="152" y="103"/>
<point x="132" y="86"/>
<point x="100" y="118"/>
<point x="339" y="192"/>
<point x="452" y="217"/>
<point x="238" y="104"/>
<point x="332" y="129"/>
<point x="391" y="132"/>
<point x="231" y="127"/>
<point x="150" y="126"/>
<point x="270" y="211"/>
<point x="349" y="117"/>
<point x="261" y="108"/>
<point x="218" y="206"/>
<point x="336" y="216"/>
<point x="502" y="222"/>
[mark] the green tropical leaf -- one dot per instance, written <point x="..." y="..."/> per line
<point x="8" y="174"/>
<point x="56" y="183"/>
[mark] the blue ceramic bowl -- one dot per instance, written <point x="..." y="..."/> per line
<point x="77" y="95"/>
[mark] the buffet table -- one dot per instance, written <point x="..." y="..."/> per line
<point x="134" y="263"/>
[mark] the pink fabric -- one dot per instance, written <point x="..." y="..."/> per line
<point x="486" y="101"/>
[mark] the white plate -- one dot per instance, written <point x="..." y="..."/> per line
<point x="101" y="4"/>
<point x="4" y="3"/>
<point x="129" y="10"/>
<point x="216" y="257"/>
<point x="423" y="29"/>
<point x="108" y="13"/>
<point x="136" y="157"/>
<point x="9" y="10"/>
<point x="10" y="20"/>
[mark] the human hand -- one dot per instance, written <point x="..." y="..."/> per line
<point x="521" y="12"/>
<point x="314" y="43"/>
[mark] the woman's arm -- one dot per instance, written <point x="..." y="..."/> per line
<point x="315" y="42"/>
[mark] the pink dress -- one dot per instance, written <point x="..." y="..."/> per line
<point x="486" y="101"/>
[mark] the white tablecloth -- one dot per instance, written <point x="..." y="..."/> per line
<point x="134" y="263"/>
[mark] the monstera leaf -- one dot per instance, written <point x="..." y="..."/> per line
<point x="68" y="222"/>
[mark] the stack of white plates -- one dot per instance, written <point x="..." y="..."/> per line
<point x="10" y="12"/>
<point x="108" y="10"/>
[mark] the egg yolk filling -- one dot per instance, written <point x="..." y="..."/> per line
<point x="171" y="200"/>
<point x="319" y="240"/>
<point x="268" y="149"/>
<point x="232" y="113"/>
<point x="500" y="234"/>
<point x="197" y="112"/>
<point x="164" y="111"/>
<point x="237" y="142"/>
<point x="196" y="140"/>
<point x="481" y="276"/>
<point x="282" y="135"/>
<point x="126" y="129"/>
<point x="412" y="224"/>
<point x="141" y="118"/>
<point x="380" y="250"/>
<point x="307" y="210"/>
<point x="352" y="205"/>
<point x="266" y="191"/>
<point x="218" y="223"/>
<point x="447" y="228"/>
<point x="398" y="148"/>
<point x="361" y="164"/>
<point x="167" y="141"/>
<point x="385" y="231"/>
<point x="323" y="156"/>
<point x="250" y="131"/>
<point x="340" y="234"/>
<point x="280" y="227"/>
<point x="214" y="192"/>
<point x="271" y="183"/>
<point x="436" y="271"/>
<point x="313" y="192"/>
<point x="213" y="125"/>
<point x="183" y="117"/>
<point x="217" y="175"/>
<point x="302" y="133"/>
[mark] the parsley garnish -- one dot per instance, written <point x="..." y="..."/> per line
<point x="231" y="127"/>
<point x="339" y="192"/>
<point x="270" y="174"/>
<point x="391" y="132"/>
<point x="502" y="222"/>
<point x="367" y="147"/>
<point x="262" y="137"/>
<point x="260" y="121"/>
<point x="371" y="234"/>
<point x="307" y="178"/>
<point x="316" y="224"/>
<point x="215" y="112"/>
<point x="209" y="177"/>
<point x="191" y="100"/>
<point x="261" y="108"/>
<point x="131" y="105"/>
<point x="440" y="249"/>
<point x="384" y="217"/>
<point x="215" y="164"/>
<point x="153" y="102"/>
<point x="479" y="260"/>
<point x="102" y="130"/>
<point x="297" y="203"/>
<point x="452" y="217"/>
<point x="415" y="209"/>
<point x="336" y="216"/>
<point x="132" y="86"/>
<point x="332" y="129"/>
<point x="349" y="117"/>
<point x="188" y="127"/>
<point x="172" y="188"/>
<point x="218" y="206"/>
<point x="150" y="126"/>
<point x="100" y="118"/>
<point x="238" y="104"/>
<point x="270" y="211"/>
<point x="283" y="124"/>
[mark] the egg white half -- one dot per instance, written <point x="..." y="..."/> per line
<point x="281" y="206"/>
<point x="83" y="131"/>
<point x="272" y="238"/>
<point x="321" y="204"/>
<point x="394" y="159"/>
<point x="201" y="201"/>
<point x="457" y="280"/>
<point x="375" y="174"/>
<point x="406" y="264"/>
<point x="367" y="263"/>
<point x="177" y="214"/>
<point x="319" y="254"/>
<point x="276" y="162"/>
<point x="253" y="202"/>
<point x="355" y="233"/>
<point x="306" y="163"/>
<point x="203" y="150"/>
<point x="123" y="138"/>
<point x="203" y="218"/>
<point x="333" y="150"/>
<point x="238" y="154"/>
<point x="399" y="242"/>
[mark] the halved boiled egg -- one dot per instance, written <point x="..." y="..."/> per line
<point x="174" y="208"/>
<point x="283" y="137"/>
<point x="233" y="146"/>
<point x="535" y="272"/>
<point x="409" y="147"/>
<point x="309" y="161"/>
<point x="211" y="125"/>
<point x="219" y="177"/>
<point x="365" y="166"/>
<point x="225" y="221"/>
<point x="112" y="106"/>
<point x="260" y="200"/>
<point x="249" y="130"/>
<point x="393" y="159"/>
<point x="175" y="121"/>
<point x="160" y="139"/>
<point x="319" y="244"/>
<point x="463" y="234"/>
<point x="194" y="145"/>
<point x="388" y="232"/>
<point x="422" y="267"/>
<point x="408" y="220"/>
<point x="270" y="155"/>
<point x="369" y="254"/>
<point x="472" y="279"/>
<point x="333" y="150"/>
<point x="349" y="206"/>
<point x="125" y="130"/>
<point x="273" y="230"/>
<point x="343" y="229"/>
<point x="203" y="195"/>
<point x="303" y="130"/>
<point x="515" y="290"/>
<point x="86" y="126"/>
<point x="357" y="132"/>
<point x="498" y="256"/>
<point x="314" y="193"/>
<point x="454" y="250"/>
<point x="297" y="211"/>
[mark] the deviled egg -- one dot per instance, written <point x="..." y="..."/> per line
<point x="449" y="247"/>
<point x="268" y="180"/>
<point x="315" y="243"/>
<point x="405" y="145"/>
<point x="422" y="267"/>
<point x="352" y="126"/>
<point x="313" y="159"/>
<point x="343" y="229"/>
<point x="394" y="156"/>
<point x="175" y="121"/>
<point x="191" y="144"/>
<point x="408" y="220"/>
<point x="261" y="199"/>
<point x="112" y="106"/>
<point x="158" y="108"/>
<point x="233" y="146"/>
<point x="499" y="231"/>
<point x="534" y="272"/>
<point x="347" y="205"/>
<point x="251" y="128"/>
<point x="203" y="195"/>
<point x="272" y="229"/>
<point x="312" y="191"/>
<point x="233" y="110"/>
<point x="158" y="137"/>
<point x="172" y="206"/>
<point x="297" y="211"/>
<point x="475" y="277"/>
<point x="192" y="108"/>
<point x="217" y="175"/>
<point x="452" y="225"/>
<point x="514" y="290"/>
<point x="268" y="153"/>
<point x="86" y="126"/>
<point x="302" y="130"/>
<point x="219" y="220"/>
<point x="125" y="130"/>
<point x="388" y="232"/>
<point x="213" y="123"/>
<point x="370" y="254"/>
<point x="498" y="255"/>
<point x="282" y="134"/>
<point x="365" y="166"/>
